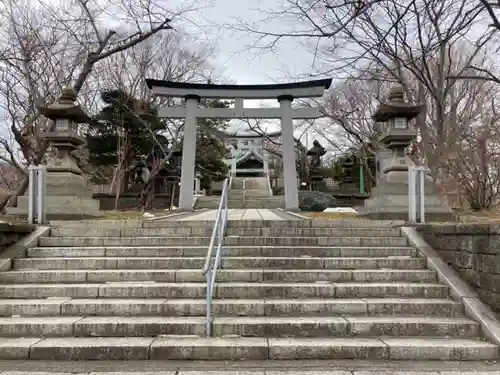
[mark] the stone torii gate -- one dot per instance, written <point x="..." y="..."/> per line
<point x="284" y="93"/>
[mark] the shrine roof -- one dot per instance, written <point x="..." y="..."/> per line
<point x="251" y="134"/>
<point x="245" y="156"/>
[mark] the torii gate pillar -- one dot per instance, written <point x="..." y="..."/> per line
<point x="284" y="93"/>
<point x="289" y="165"/>
<point x="186" y="195"/>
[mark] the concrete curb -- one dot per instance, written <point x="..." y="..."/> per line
<point x="176" y="214"/>
<point x="294" y="214"/>
<point x="20" y="248"/>
<point x="134" y="221"/>
<point x="459" y="290"/>
<point x="17" y="228"/>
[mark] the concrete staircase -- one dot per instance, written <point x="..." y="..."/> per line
<point x="245" y="192"/>
<point x="286" y="290"/>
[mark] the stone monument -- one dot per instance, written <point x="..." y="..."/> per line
<point x="68" y="194"/>
<point x="350" y="183"/>
<point x="389" y="199"/>
<point x="315" y="154"/>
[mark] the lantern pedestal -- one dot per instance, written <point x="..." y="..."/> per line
<point x="68" y="195"/>
<point x="64" y="144"/>
<point x="389" y="199"/>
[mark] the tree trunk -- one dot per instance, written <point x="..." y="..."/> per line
<point x="148" y="189"/>
<point x="117" y="195"/>
<point x="146" y="195"/>
<point x="12" y="199"/>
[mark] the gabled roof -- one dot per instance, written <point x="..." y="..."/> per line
<point x="251" y="134"/>
<point x="244" y="157"/>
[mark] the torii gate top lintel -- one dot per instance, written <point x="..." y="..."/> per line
<point x="303" y="89"/>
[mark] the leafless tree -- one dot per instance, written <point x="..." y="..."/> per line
<point x="46" y="45"/>
<point x="472" y="156"/>
<point x="491" y="9"/>
<point x="348" y="108"/>
<point x="417" y="43"/>
<point x="169" y="56"/>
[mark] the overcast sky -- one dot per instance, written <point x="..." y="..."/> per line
<point x="238" y="62"/>
<point x="234" y="59"/>
<point x="244" y="65"/>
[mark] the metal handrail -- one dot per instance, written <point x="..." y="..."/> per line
<point x="210" y="268"/>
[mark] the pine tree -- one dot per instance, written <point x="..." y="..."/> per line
<point x="210" y="148"/>
<point x="124" y="129"/>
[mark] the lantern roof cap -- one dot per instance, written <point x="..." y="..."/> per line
<point x="65" y="107"/>
<point x="396" y="106"/>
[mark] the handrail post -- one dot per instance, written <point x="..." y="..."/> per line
<point x="416" y="195"/>
<point x="420" y="195"/>
<point x="412" y="193"/>
<point x="37" y="205"/>
<point x="32" y="206"/>
<point x="209" y="304"/>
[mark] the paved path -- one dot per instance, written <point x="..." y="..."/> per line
<point x="299" y="367"/>
<point x="237" y="214"/>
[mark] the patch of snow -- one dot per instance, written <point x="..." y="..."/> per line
<point x="147" y="214"/>
<point x="341" y="210"/>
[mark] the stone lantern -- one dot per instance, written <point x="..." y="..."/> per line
<point x="197" y="182"/>
<point x="396" y="134"/>
<point x="64" y="138"/>
<point x="67" y="193"/>
<point x="389" y="199"/>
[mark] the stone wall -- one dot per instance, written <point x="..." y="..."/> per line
<point x="11" y="233"/>
<point x="350" y="200"/>
<point x="130" y="201"/>
<point x="474" y="251"/>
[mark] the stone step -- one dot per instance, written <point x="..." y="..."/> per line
<point x="100" y="223"/>
<point x="168" y="223"/>
<point x="228" y="241"/>
<point x="231" y="307"/>
<point x="345" y="326"/>
<point x="238" y="348"/>
<point x="207" y="205"/>
<point x="207" y="232"/>
<point x="263" y="326"/>
<point x="260" y="205"/>
<point x="198" y="251"/>
<point x="265" y="200"/>
<point x="99" y="263"/>
<point x="247" y="194"/>
<point x="194" y="275"/>
<point x="226" y="290"/>
<point x="344" y="223"/>
<point x="259" y="192"/>
<point x="316" y="307"/>
<point x="208" y="198"/>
